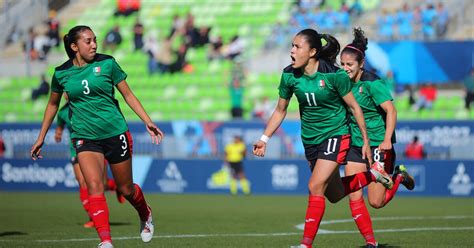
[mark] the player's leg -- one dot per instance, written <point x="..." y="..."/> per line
<point x="83" y="193"/>
<point x="92" y="167"/>
<point x="244" y="183"/>
<point x="110" y="184"/>
<point x="359" y="211"/>
<point x="119" y="154"/>
<point x="233" y="187"/>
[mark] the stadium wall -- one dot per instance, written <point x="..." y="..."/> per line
<point x="433" y="177"/>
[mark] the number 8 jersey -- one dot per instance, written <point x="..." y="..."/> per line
<point x="94" y="111"/>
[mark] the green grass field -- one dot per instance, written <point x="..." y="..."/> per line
<point x="55" y="220"/>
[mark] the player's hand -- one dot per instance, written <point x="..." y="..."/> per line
<point x="155" y="133"/>
<point x="367" y="153"/>
<point x="36" y="150"/>
<point x="386" y="145"/>
<point x="259" y="148"/>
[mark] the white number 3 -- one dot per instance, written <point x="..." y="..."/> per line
<point x="86" y="87"/>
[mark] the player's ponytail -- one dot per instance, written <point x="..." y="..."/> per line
<point x="330" y="48"/>
<point x="358" y="46"/>
<point x="71" y="37"/>
<point x="327" y="47"/>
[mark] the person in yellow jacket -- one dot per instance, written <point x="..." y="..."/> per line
<point x="234" y="155"/>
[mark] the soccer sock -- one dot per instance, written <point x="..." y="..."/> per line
<point x="361" y="216"/>
<point x="245" y="186"/>
<point x="139" y="203"/>
<point x="314" y="214"/>
<point x="233" y="186"/>
<point x="99" y="212"/>
<point x="84" y="197"/>
<point x="390" y="193"/>
<point x="111" y="184"/>
<point x="357" y="181"/>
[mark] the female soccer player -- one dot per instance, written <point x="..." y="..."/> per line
<point x="381" y="117"/>
<point x="64" y="122"/>
<point x="99" y="129"/>
<point x="322" y="95"/>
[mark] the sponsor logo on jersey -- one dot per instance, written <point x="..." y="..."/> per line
<point x="79" y="143"/>
<point x="360" y="90"/>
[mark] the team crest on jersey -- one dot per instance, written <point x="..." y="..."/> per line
<point x="321" y="83"/>
<point x="360" y="90"/>
<point x="97" y="70"/>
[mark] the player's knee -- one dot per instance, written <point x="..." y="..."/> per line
<point x="95" y="188"/>
<point x="376" y="203"/>
<point x="126" y="190"/>
<point x="315" y="188"/>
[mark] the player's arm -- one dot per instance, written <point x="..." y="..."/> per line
<point x="390" y="124"/>
<point x="351" y="102"/>
<point x="273" y="123"/>
<point x="132" y="101"/>
<point x="49" y="113"/>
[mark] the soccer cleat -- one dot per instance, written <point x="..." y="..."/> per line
<point x="369" y="245"/>
<point x="381" y="176"/>
<point x="300" y="246"/>
<point x="147" y="228"/>
<point x="89" y="224"/>
<point x="407" y="180"/>
<point x="105" y="244"/>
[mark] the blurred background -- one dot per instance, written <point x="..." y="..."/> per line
<point x="206" y="71"/>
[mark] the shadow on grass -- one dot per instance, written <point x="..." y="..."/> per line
<point x="384" y="246"/>
<point x="12" y="233"/>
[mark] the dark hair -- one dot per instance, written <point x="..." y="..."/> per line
<point x="358" y="45"/>
<point x="71" y="37"/>
<point x="327" y="51"/>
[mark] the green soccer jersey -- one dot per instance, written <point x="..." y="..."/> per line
<point x="323" y="113"/>
<point x="63" y="121"/>
<point x="370" y="92"/>
<point x="95" y="113"/>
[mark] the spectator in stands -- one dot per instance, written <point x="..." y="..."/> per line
<point x="203" y="37"/>
<point x="215" y="49"/>
<point x="37" y="45"/>
<point x="151" y="48"/>
<point x="138" y="31"/>
<point x="469" y="87"/>
<point x="234" y="48"/>
<point x="263" y="109"/>
<point x="385" y="24"/>
<point x="2" y="147"/>
<point x="428" y="16"/>
<point x="235" y="153"/>
<point x="426" y="96"/>
<point x="442" y="20"/>
<point x="237" y="88"/>
<point x="180" y="63"/>
<point x="415" y="149"/>
<point x="89" y="79"/>
<point x="418" y="23"/>
<point x="164" y="57"/>
<point x="405" y="23"/>
<point x="177" y="25"/>
<point x="127" y="7"/>
<point x="112" y="39"/>
<point x="53" y="29"/>
<point x="42" y="89"/>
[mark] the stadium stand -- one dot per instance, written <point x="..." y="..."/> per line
<point x="202" y="93"/>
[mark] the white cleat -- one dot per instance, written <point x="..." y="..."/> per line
<point x="299" y="246"/>
<point x="377" y="169"/>
<point x="147" y="228"/>
<point x="105" y="244"/>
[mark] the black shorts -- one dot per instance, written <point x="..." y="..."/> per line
<point x="236" y="167"/>
<point x="116" y="149"/>
<point x="74" y="160"/>
<point x="387" y="157"/>
<point x="333" y="149"/>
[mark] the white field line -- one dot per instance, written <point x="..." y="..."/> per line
<point x="321" y="231"/>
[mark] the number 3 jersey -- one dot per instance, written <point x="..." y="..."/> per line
<point x="94" y="111"/>
<point x="323" y="113"/>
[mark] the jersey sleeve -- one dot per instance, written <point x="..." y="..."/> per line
<point x="379" y="92"/>
<point x="285" y="90"/>
<point x="118" y="75"/>
<point x="55" y="86"/>
<point x="342" y="83"/>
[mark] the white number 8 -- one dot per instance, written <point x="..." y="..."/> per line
<point x="376" y="155"/>
<point x="86" y="87"/>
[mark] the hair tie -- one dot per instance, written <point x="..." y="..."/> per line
<point x="355" y="48"/>
<point x="323" y="41"/>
